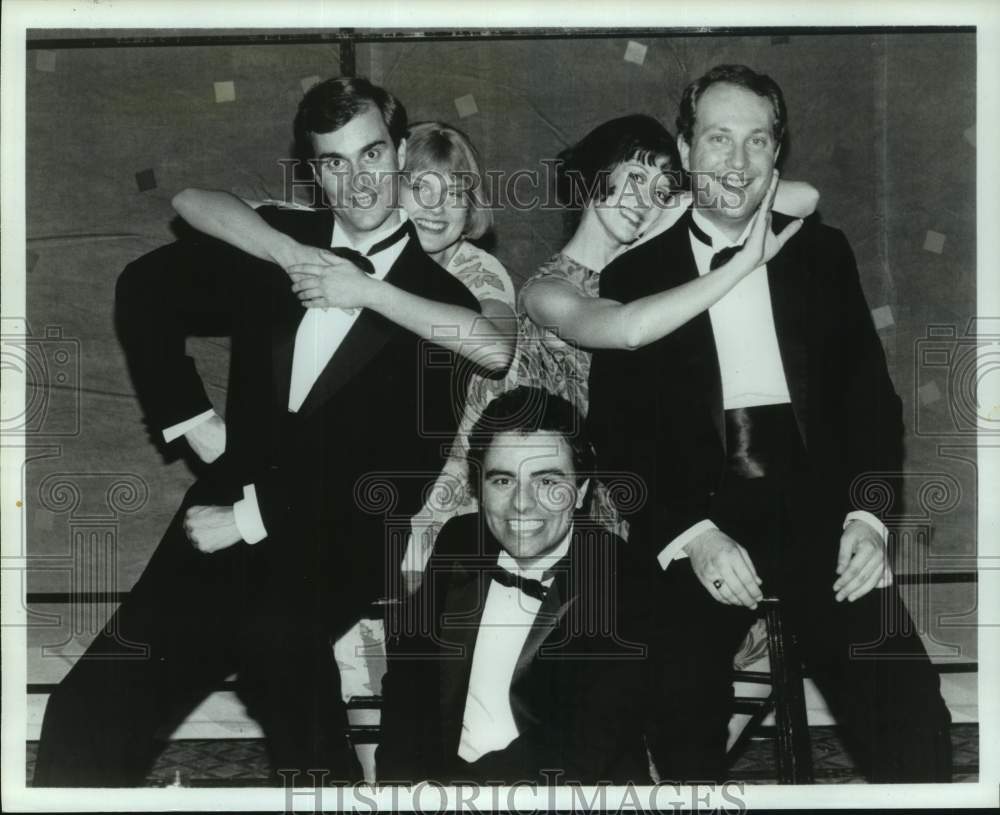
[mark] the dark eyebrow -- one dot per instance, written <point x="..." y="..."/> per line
<point x="725" y="129"/>
<point x="534" y="474"/>
<point x="493" y="473"/>
<point x="376" y="143"/>
<point x="365" y="149"/>
<point x="550" y="471"/>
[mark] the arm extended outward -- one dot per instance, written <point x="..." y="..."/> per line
<point x="323" y="280"/>
<point x="603" y="323"/>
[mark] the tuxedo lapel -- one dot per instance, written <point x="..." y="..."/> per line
<point x="462" y="604"/>
<point x="696" y="338"/>
<point x="313" y="229"/>
<point x="788" y="282"/>
<point x="554" y="608"/>
<point x="283" y="332"/>
<point x="369" y="335"/>
<point x="708" y="368"/>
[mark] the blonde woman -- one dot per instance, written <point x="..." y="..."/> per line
<point x="442" y="195"/>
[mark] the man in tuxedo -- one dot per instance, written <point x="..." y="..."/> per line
<point x="761" y="431"/>
<point x="334" y="425"/>
<point x="520" y="657"/>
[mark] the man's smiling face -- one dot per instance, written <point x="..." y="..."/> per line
<point x="529" y="492"/>
<point x="733" y="145"/>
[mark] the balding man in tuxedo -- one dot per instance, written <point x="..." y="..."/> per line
<point x="752" y="427"/>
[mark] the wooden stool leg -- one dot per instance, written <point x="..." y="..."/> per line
<point x="794" y="749"/>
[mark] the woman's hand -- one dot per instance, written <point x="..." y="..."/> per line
<point x="332" y="283"/>
<point x="762" y="244"/>
<point x="292" y="253"/>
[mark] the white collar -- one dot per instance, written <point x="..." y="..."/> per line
<point x="719" y="240"/>
<point x="536" y="567"/>
<point x="340" y="237"/>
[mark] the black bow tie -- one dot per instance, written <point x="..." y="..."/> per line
<point x="530" y="586"/>
<point x="363" y="261"/>
<point x="720" y="258"/>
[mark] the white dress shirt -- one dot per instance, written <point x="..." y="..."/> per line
<point x="319" y="335"/>
<point x="508" y="615"/>
<point x="322" y="330"/>
<point x="749" y="361"/>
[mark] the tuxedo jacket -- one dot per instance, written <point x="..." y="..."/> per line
<point x="658" y="413"/>
<point x="337" y="481"/>
<point x="574" y="692"/>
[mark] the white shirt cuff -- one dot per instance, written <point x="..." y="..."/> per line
<point x="247" y="515"/>
<point x="675" y="549"/>
<point x="175" y="431"/>
<point x="878" y="526"/>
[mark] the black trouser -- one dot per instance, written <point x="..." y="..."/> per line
<point x="866" y="657"/>
<point x="191" y="620"/>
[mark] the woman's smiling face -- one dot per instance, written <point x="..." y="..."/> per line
<point x="636" y="193"/>
<point x="438" y="208"/>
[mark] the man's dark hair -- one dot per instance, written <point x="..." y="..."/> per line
<point x="529" y="410"/>
<point x="743" y="77"/>
<point x="330" y="105"/>
<point x="583" y="170"/>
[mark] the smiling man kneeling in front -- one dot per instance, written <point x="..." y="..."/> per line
<point x="520" y="657"/>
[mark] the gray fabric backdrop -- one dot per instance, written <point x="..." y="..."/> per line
<point x="880" y="123"/>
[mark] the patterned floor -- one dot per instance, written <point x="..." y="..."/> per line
<point x="833" y="765"/>
<point x="243" y="762"/>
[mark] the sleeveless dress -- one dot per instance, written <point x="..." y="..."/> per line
<point x="545" y="360"/>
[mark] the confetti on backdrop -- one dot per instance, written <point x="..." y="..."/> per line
<point x="635" y="52"/>
<point x="145" y="180"/>
<point x="308" y="82"/>
<point x="970" y="135"/>
<point x="45" y="61"/>
<point x="30" y="260"/>
<point x="934" y="242"/>
<point x="883" y="317"/>
<point x="225" y="91"/>
<point x="929" y="393"/>
<point x="466" y="106"/>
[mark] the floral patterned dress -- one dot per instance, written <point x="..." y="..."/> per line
<point x="487" y="279"/>
<point x="545" y="360"/>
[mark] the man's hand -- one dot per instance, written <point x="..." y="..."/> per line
<point x="211" y="528"/>
<point x="860" y="562"/>
<point x="717" y="558"/>
<point x="208" y="439"/>
<point x="335" y="284"/>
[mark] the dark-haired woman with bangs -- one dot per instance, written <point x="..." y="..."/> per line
<point x="622" y="180"/>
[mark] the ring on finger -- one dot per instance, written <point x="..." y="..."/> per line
<point x="717" y="584"/>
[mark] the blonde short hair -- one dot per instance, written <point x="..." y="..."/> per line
<point x="437" y="147"/>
